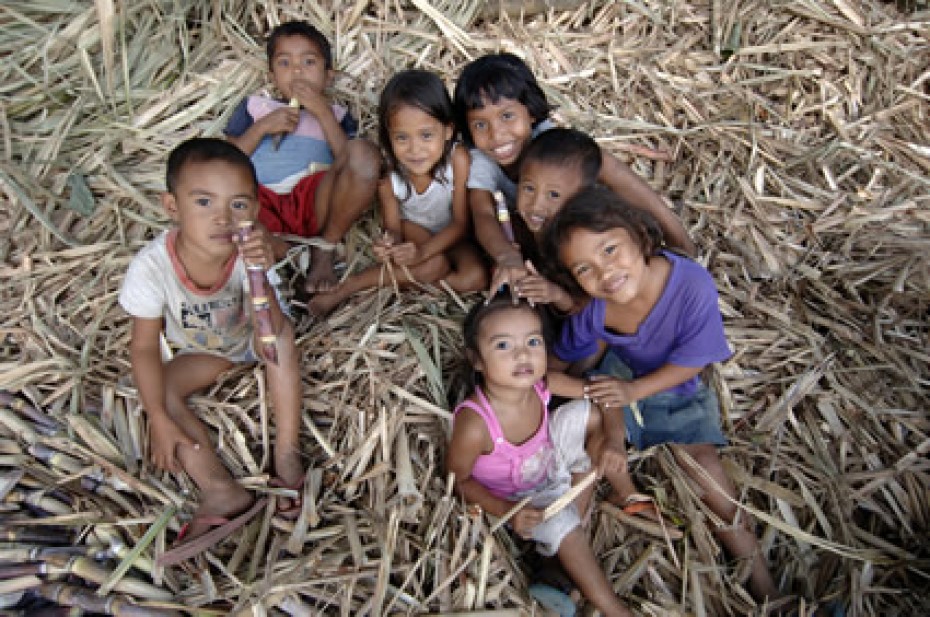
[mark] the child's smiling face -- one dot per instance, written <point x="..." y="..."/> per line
<point x="502" y="130"/>
<point x="418" y="140"/>
<point x="297" y="57"/>
<point x="543" y="189"/>
<point x="609" y="265"/>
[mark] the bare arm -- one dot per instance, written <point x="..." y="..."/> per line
<point x="622" y="181"/>
<point x="469" y="439"/>
<point x="281" y="120"/>
<point x="508" y="266"/>
<point x="148" y="372"/>
<point x="318" y="104"/>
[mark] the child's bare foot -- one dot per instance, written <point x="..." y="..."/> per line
<point x="224" y="502"/>
<point x="321" y="276"/>
<point x="324" y="302"/>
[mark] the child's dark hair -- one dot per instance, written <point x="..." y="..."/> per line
<point x="496" y="76"/>
<point x="425" y="91"/>
<point x="203" y="150"/>
<point x="501" y="301"/>
<point x="300" y="28"/>
<point x="596" y="209"/>
<point x="565" y="147"/>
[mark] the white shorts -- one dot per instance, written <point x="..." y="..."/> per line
<point x="567" y="427"/>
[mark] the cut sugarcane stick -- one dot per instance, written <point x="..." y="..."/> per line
<point x="556" y="506"/>
<point x="280" y="137"/>
<point x="503" y="216"/>
<point x="259" y="292"/>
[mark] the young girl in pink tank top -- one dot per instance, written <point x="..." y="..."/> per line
<point x="506" y="445"/>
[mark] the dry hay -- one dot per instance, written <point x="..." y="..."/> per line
<point x="792" y="136"/>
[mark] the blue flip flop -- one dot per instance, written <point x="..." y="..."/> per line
<point x="553" y="600"/>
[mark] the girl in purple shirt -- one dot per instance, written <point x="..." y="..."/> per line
<point x="657" y="314"/>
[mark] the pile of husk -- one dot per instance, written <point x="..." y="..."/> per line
<point x="792" y="137"/>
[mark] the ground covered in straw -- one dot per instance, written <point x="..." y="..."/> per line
<point x="793" y="138"/>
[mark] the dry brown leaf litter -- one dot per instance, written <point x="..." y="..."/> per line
<point x="792" y="136"/>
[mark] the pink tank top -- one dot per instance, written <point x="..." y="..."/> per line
<point x="510" y="469"/>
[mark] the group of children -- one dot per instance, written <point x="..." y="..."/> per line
<point x="587" y="301"/>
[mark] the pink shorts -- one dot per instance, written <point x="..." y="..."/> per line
<point x="291" y="213"/>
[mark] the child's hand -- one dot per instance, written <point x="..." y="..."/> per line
<point x="405" y="254"/>
<point x="255" y="247"/>
<point x="609" y="392"/>
<point x="311" y="99"/>
<point x="525" y="520"/>
<point x="382" y="246"/>
<point x="537" y="289"/>
<point x="166" y="436"/>
<point x="508" y="271"/>
<point x="280" y="121"/>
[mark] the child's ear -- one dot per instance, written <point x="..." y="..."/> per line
<point x="450" y="131"/>
<point x="330" y="77"/>
<point x="170" y="204"/>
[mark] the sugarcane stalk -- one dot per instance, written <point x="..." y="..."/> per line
<point x="27" y="409"/>
<point x="553" y="508"/>
<point x="38" y="499"/>
<point x="21" y="583"/>
<point x="130" y="559"/>
<point x="70" y="595"/>
<point x="90" y="571"/>
<point x="277" y="139"/>
<point x="259" y="292"/>
<point x="48" y="537"/>
<point x="503" y="216"/>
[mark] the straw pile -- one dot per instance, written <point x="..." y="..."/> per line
<point x="793" y="138"/>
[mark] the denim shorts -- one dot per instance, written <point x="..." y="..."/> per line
<point x="668" y="417"/>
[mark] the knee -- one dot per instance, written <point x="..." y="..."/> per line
<point x="474" y="279"/>
<point x="363" y="161"/>
<point x="432" y="270"/>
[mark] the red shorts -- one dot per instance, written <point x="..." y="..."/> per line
<point x="291" y="213"/>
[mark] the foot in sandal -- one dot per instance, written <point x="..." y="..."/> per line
<point x="215" y="520"/>
<point x="640" y="511"/>
<point x="290" y="475"/>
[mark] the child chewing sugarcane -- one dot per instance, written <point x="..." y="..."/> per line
<point x="192" y="283"/>
<point x="315" y="179"/>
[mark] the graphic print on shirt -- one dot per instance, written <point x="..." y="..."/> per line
<point x="534" y="469"/>
<point x="214" y="324"/>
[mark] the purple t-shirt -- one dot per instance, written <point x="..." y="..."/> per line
<point x="684" y="327"/>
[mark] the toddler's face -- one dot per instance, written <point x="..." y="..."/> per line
<point x="297" y="57"/>
<point x="501" y="130"/>
<point x="511" y="348"/>
<point x="608" y="264"/>
<point x="543" y="189"/>
<point x="208" y="198"/>
<point x="417" y="139"/>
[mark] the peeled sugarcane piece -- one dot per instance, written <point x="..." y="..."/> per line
<point x="259" y="291"/>
<point x="503" y="216"/>
<point x="280" y="137"/>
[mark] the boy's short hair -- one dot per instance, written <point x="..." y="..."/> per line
<point x="300" y="28"/>
<point x="494" y="76"/>
<point x="203" y="150"/>
<point x="566" y="147"/>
